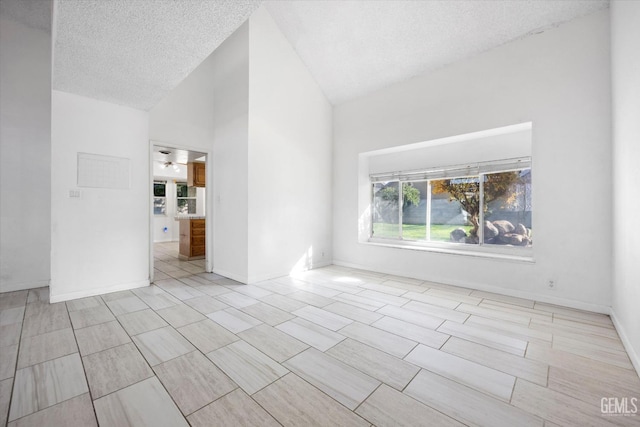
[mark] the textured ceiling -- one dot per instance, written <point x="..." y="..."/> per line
<point x="32" y="13"/>
<point x="133" y="52"/>
<point x="356" y="47"/>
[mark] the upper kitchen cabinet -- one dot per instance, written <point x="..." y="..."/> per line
<point x="196" y="174"/>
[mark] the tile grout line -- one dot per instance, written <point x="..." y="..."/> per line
<point x="84" y="369"/>
<point x="258" y="403"/>
<point x="213" y="401"/>
<point x="148" y="364"/>
<point x="422" y="403"/>
<point x="306" y="304"/>
<point x="131" y="341"/>
<point x="458" y="383"/>
<point x="365" y="399"/>
<point x="15" y="368"/>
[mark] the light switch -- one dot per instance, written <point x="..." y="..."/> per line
<point x="74" y="193"/>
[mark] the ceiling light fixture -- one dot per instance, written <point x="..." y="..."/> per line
<point x="172" y="164"/>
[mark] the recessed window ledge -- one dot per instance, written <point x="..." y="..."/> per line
<point x="523" y="255"/>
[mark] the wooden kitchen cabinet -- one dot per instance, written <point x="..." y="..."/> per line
<point x="196" y="174"/>
<point x="192" y="239"/>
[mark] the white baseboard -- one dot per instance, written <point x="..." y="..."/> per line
<point x="321" y="264"/>
<point x="263" y="277"/>
<point x="633" y="354"/>
<point x="97" y="291"/>
<point x="229" y="275"/>
<point x="266" y="276"/>
<point x="597" y="308"/>
<point x="565" y="302"/>
<point x="23" y="286"/>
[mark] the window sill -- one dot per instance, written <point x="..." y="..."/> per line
<point x="516" y="254"/>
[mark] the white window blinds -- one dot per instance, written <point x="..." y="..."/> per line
<point x="455" y="171"/>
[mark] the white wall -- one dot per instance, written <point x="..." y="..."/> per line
<point x="184" y="118"/>
<point x="230" y="149"/>
<point x="290" y="134"/>
<point x="271" y="152"/>
<point x="192" y="116"/>
<point x="625" y="55"/>
<point x="104" y="228"/>
<point x="25" y="156"/>
<point x="560" y="81"/>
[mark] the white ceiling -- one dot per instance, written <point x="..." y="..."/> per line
<point x="133" y="52"/>
<point x="356" y="47"/>
<point x="176" y="155"/>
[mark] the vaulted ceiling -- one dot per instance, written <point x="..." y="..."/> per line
<point x="133" y="52"/>
<point x="356" y="47"/>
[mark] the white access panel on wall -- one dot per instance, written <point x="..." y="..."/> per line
<point x="98" y="171"/>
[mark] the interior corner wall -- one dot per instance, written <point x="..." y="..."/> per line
<point x="560" y="81"/>
<point x="290" y="144"/>
<point x="625" y="58"/>
<point x="209" y="110"/>
<point x="25" y="156"/>
<point x="230" y="149"/>
<point x="254" y="103"/>
<point x="185" y="116"/>
<point x="104" y="227"/>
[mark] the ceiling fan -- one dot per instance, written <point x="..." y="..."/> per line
<point x="175" y="166"/>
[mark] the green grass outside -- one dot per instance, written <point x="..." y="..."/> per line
<point x="439" y="232"/>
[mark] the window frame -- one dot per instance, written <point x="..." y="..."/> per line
<point x="449" y="172"/>
<point x="194" y="198"/>
<point x="164" y="198"/>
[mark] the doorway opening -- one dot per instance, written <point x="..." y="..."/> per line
<point x="180" y="212"/>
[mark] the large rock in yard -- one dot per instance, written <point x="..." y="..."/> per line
<point x="490" y="231"/>
<point x="457" y="235"/>
<point x="521" y="230"/>
<point x="504" y="227"/>
<point x="512" y="239"/>
<point x="471" y="240"/>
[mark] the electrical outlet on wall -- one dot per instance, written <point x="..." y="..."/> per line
<point x="552" y="284"/>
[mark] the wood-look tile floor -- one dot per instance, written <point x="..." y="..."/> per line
<point x="329" y="347"/>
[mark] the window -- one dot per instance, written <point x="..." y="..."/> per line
<point x="386" y="215"/>
<point x="186" y="199"/>
<point x="508" y="203"/>
<point x="414" y="210"/>
<point x="483" y="204"/>
<point x="159" y="197"/>
<point x="454" y="203"/>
